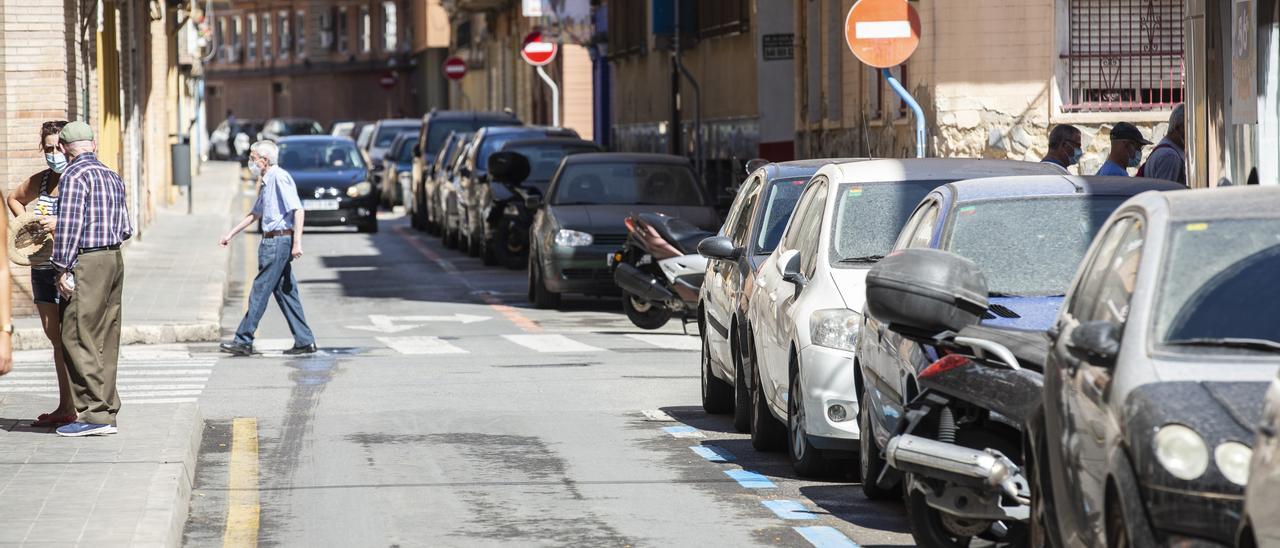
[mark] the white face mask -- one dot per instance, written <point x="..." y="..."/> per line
<point x="255" y="170"/>
<point x="57" y="161"/>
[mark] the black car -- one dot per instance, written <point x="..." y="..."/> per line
<point x="333" y="181"/>
<point x="276" y="128"/>
<point x="231" y="139"/>
<point x="581" y="221"/>
<point x="436" y="127"/>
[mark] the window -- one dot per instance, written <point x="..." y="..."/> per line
<point x="1123" y="56"/>
<point x="811" y="228"/>
<point x="922" y="233"/>
<point x="875" y="83"/>
<point x="252" y="52"/>
<point x="389" y="25"/>
<point x="340" y="28"/>
<point x="723" y="17"/>
<point x="300" y="33"/>
<point x="365" y="31"/>
<point x="743" y="213"/>
<point x="628" y="26"/>
<point x="266" y="36"/>
<point x="220" y="38"/>
<point x="1114" y="275"/>
<point x="791" y="237"/>
<point x="286" y="37"/>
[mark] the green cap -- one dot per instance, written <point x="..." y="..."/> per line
<point x="76" y="131"/>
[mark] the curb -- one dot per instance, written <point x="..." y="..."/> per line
<point x="164" y="520"/>
<point x="34" y="339"/>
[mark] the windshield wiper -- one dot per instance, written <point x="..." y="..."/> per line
<point x="1263" y="345"/>
<point x="865" y="259"/>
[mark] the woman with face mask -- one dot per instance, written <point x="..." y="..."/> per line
<point x="39" y="193"/>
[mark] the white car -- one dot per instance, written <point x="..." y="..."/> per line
<point x="806" y="307"/>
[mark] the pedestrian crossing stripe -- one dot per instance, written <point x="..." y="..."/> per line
<point x="551" y="343"/>
<point x="413" y="346"/>
<point x="159" y="377"/>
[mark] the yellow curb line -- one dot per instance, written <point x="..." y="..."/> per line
<point x="243" y="505"/>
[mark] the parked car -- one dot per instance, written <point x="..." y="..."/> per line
<point x="276" y="128"/>
<point x="231" y="140"/>
<point x="437" y="125"/>
<point x="439" y="185"/>
<point x="449" y="188"/>
<point x="507" y="216"/>
<point x="396" y="166"/>
<point x="423" y="189"/>
<point x="473" y="198"/>
<point x="581" y="220"/>
<point x="383" y="134"/>
<point x="751" y="231"/>
<point x="362" y="132"/>
<point x="1158" y="368"/>
<point x="345" y="128"/>
<point x="1261" y="523"/>
<point x="333" y="181"/>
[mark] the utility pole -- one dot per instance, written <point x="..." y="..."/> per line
<point x="673" y="131"/>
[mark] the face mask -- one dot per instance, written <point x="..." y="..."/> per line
<point x="57" y="161"/>
<point x="255" y="170"/>
<point x="1136" y="159"/>
<point x="1075" y="157"/>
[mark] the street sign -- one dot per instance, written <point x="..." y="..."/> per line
<point x="536" y="51"/>
<point x="882" y="33"/>
<point x="455" y="68"/>
<point x="388" y="80"/>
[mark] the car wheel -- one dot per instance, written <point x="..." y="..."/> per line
<point x="717" y="395"/>
<point x="767" y="432"/>
<point x="741" y="394"/>
<point x="870" y="461"/>
<point x="645" y="314"/>
<point x="369" y="227"/>
<point x="488" y="255"/>
<point x="450" y="238"/>
<point x="542" y="297"/>
<point x="530" y="278"/>
<point x="806" y="459"/>
<point x="475" y="245"/>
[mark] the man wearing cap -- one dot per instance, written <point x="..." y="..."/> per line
<point x="1168" y="160"/>
<point x="1126" y="150"/>
<point x="92" y="223"/>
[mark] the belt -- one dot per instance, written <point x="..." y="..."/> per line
<point x="84" y="250"/>
<point x="277" y="233"/>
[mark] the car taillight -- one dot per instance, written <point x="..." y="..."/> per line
<point x="946" y="363"/>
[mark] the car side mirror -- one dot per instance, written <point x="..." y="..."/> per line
<point x="719" y="247"/>
<point x="532" y="202"/>
<point x="789" y="267"/>
<point x="1096" y="342"/>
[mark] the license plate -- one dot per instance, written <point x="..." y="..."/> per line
<point x="319" y="205"/>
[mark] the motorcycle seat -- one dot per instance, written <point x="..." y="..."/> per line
<point x="681" y="234"/>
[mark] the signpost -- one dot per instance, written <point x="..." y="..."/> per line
<point x="455" y="68"/>
<point x="884" y="34"/>
<point x="539" y="52"/>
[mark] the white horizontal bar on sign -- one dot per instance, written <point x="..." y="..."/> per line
<point x="550" y="343"/>
<point x="539" y="47"/>
<point x="882" y="29"/>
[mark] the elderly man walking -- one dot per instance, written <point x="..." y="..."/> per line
<point x="93" y="221"/>
<point x="282" y="216"/>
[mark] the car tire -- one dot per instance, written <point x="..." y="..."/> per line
<point x="646" y="315"/>
<point x="767" y="432"/>
<point x="449" y="238"/>
<point x="488" y="255"/>
<point x="475" y="246"/>
<point x="717" y="395"/>
<point x="741" y="394"/>
<point x="870" y="461"/>
<point x="368" y="227"/>
<point x="542" y="297"/>
<point x="806" y="459"/>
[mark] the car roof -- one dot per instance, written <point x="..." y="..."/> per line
<point x="502" y="130"/>
<point x="311" y="139"/>
<point x="800" y="168"/>
<point x="625" y="157"/>
<point x="469" y="115"/>
<point x="1235" y="202"/>
<point x="406" y="122"/>
<point x="565" y="141"/>
<point x="1054" y="185"/>
<point x="292" y="119"/>
<point x="930" y="169"/>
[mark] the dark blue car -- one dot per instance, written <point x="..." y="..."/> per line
<point x="333" y="181"/>
<point x="1027" y="234"/>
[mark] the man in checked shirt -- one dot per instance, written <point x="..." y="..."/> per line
<point x="92" y="223"/>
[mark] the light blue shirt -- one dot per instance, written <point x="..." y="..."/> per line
<point x="1112" y="168"/>
<point x="277" y="200"/>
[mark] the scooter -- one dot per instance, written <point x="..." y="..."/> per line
<point x="659" y="269"/>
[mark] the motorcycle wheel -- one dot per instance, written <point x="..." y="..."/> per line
<point x="806" y="459"/>
<point x="871" y="463"/>
<point x="717" y="395"/>
<point x="645" y="314"/>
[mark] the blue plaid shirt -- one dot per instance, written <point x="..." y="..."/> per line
<point x="277" y="200"/>
<point x="92" y="211"/>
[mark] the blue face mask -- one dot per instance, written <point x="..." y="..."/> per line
<point x="57" y="161"/>
<point x="1075" y="157"/>
<point x="1136" y="159"/>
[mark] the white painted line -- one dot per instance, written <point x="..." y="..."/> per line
<point x="123" y="387"/>
<point x="143" y="394"/>
<point x="882" y="29"/>
<point x="657" y="415"/>
<point x="674" y="342"/>
<point x="121" y="373"/>
<point x="413" y="346"/>
<point x="550" y="343"/>
<point x="164" y="400"/>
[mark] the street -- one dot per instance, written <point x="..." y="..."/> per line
<point x="459" y="416"/>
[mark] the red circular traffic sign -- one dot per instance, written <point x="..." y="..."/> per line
<point x="388" y="80"/>
<point x="882" y="33"/>
<point x="536" y="50"/>
<point x="455" y="68"/>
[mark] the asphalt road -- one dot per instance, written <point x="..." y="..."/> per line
<point x="444" y="411"/>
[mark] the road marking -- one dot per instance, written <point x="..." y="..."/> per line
<point x="713" y="454"/>
<point x="242" y="485"/>
<point x="414" y="346"/>
<point x="674" y="342"/>
<point x="657" y="415"/>
<point x="550" y="343"/>
<point x="380" y="323"/>
<point x="788" y="509"/>
<point x="750" y="480"/>
<point x="821" y="536"/>
<point x="511" y="314"/>
<point x="683" y="432"/>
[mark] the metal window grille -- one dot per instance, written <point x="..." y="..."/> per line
<point x="723" y="17"/>
<point x="1124" y="55"/>
<point x="628" y="27"/>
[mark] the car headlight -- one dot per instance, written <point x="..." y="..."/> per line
<point x="572" y="238"/>
<point x="1181" y="451"/>
<point x="1232" y="459"/>
<point x="835" y="328"/>
<point x="359" y="189"/>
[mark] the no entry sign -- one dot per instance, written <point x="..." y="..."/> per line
<point x="536" y="51"/>
<point x="388" y="80"/>
<point x="882" y="33"/>
<point x="455" y="68"/>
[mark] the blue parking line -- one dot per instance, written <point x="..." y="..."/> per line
<point x="673" y="430"/>
<point x="788" y="509"/>
<point x="750" y="480"/>
<point x="713" y="454"/>
<point x="821" y="536"/>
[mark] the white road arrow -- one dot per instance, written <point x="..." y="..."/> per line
<point x="391" y="324"/>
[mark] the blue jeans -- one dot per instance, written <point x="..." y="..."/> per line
<point x="275" y="277"/>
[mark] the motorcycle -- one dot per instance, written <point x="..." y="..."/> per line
<point x="965" y="446"/>
<point x="510" y="212"/>
<point x="659" y="269"/>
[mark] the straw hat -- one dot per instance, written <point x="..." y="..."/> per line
<point x="28" y="242"/>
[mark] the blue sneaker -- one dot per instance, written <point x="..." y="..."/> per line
<point x="77" y="429"/>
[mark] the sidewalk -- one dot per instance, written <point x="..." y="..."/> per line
<point x="175" y="273"/>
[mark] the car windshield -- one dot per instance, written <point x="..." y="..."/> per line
<point x="1220" y="285"/>
<point x="406" y="150"/>
<point x="439" y="130"/>
<point x="545" y="158"/>
<point x="387" y="134"/>
<point x="329" y="155"/>
<point x="779" y="202"/>
<point x="626" y="183"/>
<point x="868" y="218"/>
<point x="301" y="127"/>
<point x="493" y="143"/>
<point x="1028" y="246"/>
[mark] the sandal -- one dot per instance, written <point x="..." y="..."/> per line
<point x="48" y="420"/>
